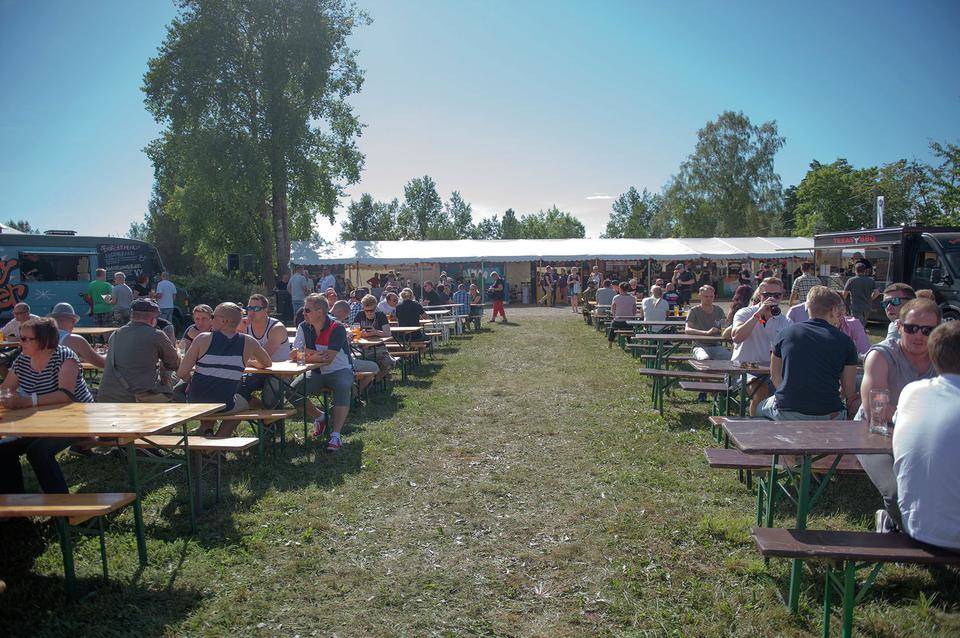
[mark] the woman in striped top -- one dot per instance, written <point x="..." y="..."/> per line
<point x="45" y="373"/>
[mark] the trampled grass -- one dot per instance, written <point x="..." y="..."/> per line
<point x="519" y="486"/>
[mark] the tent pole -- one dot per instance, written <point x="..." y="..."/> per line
<point x="483" y="285"/>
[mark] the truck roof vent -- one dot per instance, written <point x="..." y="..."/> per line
<point x="69" y="233"/>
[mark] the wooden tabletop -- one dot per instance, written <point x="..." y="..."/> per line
<point x="80" y="420"/>
<point x="93" y="332"/>
<point x="672" y="336"/>
<point x="283" y="369"/>
<point x="718" y="365"/>
<point x="676" y="321"/>
<point x="437" y="312"/>
<point x="405" y="329"/>
<point x="368" y="342"/>
<point x="759" y="436"/>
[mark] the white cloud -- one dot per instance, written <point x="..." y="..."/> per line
<point x="599" y="196"/>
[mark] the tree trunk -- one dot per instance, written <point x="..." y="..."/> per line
<point x="269" y="272"/>
<point x="281" y="219"/>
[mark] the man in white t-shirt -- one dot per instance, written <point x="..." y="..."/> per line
<point x="327" y="281"/>
<point x="166" y="296"/>
<point x="21" y="314"/>
<point x="926" y="446"/>
<point x="754" y="331"/>
<point x="299" y="288"/>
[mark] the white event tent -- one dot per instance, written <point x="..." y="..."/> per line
<point x="376" y="253"/>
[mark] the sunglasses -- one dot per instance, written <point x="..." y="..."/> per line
<point x="892" y="301"/>
<point x="254" y="308"/>
<point x="912" y="328"/>
<point x="771" y="295"/>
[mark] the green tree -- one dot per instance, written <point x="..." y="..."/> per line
<point x="488" y="228"/>
<point x="945" y="179"/>
<point x="23" y="226"/>
<point x="728" y="186"/>
<point x="551" y="224"/>
<point x="459" y="214"/>
<point x="253" y="97"/>
<point x="422" y="215"/>
<point x="634" y="214"/>
<point x="369" y="220"/>
<point x="510" y="227"/>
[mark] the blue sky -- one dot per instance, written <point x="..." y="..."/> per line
<point x="517" y="104"/>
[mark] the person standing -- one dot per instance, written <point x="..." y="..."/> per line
<point x="137" y="351"/>
<point x="121" y="298"/>
<point x="573" y="288"/>
<point x="299" y="288"/>
<point x="99" y="292"/>
<point x="562" y="284"/>
<point x="548" y="282"/>
<point x="685" y="283"/>
<point x="803" y="284"/>
<point x="327" y="281"/>
<point x="496" y="295"/>
<point x="860" y="290"/>
<point x="166" y="296"/>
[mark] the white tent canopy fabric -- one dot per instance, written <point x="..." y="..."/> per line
<point x="370" y="253"/>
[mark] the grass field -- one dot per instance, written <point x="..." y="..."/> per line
<point x="520" y="485"/>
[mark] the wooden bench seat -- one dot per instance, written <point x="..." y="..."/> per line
<point x="728" y="458"/>
<point x="198" y="443"/>
<point x="76" y="508"/>
<point x="69" y="510"/>
<point x="702" y="386"/>
<point x="673" y="357"/>
<point x="681" y="374"/>
<point x="267" y="416"/>
<point x="845" y="552"/>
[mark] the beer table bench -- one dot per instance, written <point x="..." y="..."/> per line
<point x="732" y="369"/>
<point x="663" y="379"/>
<point x="794" y="446"/>
<point x="285" y="372"/>
<point x="669" y="344"/>
<point x="844" y="554"/>
<point x="70" y="511"/>
<point x="656" y="325"/>
<point x="122" y="423"/>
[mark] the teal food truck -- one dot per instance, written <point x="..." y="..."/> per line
<point x="43" y="270"/>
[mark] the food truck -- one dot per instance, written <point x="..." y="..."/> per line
<point x="924" y="257"/>
<point x="43" y="270"/>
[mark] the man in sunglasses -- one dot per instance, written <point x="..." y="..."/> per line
<point x="755" y="329"/>
<point x="894" y="296"/>
<point x="891" y="365"/>
<point x="271" y="334"/>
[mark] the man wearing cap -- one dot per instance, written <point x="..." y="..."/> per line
<point x="66" y="320"/>
<point x="136" y="349"/>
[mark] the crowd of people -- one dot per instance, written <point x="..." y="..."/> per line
<point x="144" y="362"/>
<point x="824" y="367"/>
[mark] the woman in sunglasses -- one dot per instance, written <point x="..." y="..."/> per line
<point x="894" y="296"/>
<point x="45" y="373"/>
<point x="890" y="365"/>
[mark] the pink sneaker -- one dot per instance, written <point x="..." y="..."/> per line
<point x="319" y="426"/>
<point x="334" y="445"/>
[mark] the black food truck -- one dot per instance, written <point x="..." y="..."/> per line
<point x="922" y="257"/>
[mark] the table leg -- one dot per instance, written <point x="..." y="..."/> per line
<point x="743" y="394"/>
<point x="190" y="486"/>
<point x="66" y="548"/>
<point x="137" y="509"/>
<point x="803" y="505"/>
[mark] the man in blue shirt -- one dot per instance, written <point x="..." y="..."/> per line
<point x="810" y="361"/>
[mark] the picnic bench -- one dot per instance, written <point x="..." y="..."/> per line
<point x="80" y="514"/>
<point x="663" y="379"/>
<point x="845" y="553"/>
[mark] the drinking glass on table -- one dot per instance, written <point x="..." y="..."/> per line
<point x="879" y="401"/>
<point x="6" y="396"/>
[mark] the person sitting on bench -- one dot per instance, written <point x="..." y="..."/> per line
<point x="754" y="329"/>
<point x="891" y="365"/>
<point x="220" y="357"/>
<point x="810" y="360"/>
<point x="926" y="445"/>
<point x="623" y="308"/>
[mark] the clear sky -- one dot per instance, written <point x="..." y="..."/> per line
<point x="518" y="104"/>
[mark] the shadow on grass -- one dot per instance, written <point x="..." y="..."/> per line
<point x="37" y="606"/>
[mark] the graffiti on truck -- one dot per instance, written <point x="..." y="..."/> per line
<point x="10" y="294"/>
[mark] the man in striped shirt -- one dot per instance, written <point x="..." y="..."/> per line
<point x="803" y="283"/>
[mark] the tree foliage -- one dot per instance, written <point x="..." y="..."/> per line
<point x="23" y="226"/>
<point x="727" y="186"/>
<point x="636" y="214"/>
<point x="252" y="94"/>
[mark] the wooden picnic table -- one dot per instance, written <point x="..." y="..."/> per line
<point x="731" y="369"/>
<point x="800" y="443"/>
<point x="437" y="313"/>
<point x="124" y="422"/>
<point x="668" y="343"/>
<point x="285" y="371"/>
<point x="648" y="325"/>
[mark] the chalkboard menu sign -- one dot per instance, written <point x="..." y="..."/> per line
<point x="130" y="258"/>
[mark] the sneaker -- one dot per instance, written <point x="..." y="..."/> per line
<point x="883" y="523"/>
<point x="492" y="321"/>
<point x="504" y="320"/>
<point x="319" y="426"/>
<point x="334" y="445"/>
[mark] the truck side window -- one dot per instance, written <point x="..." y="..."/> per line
<point x="47" y="267"/>
<point x="928" y="264"/>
